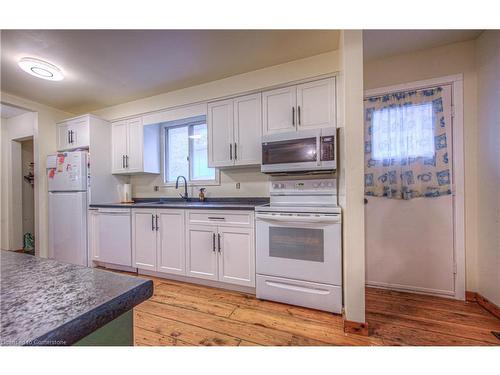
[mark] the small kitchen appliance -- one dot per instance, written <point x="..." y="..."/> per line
<point x="304" y="151"/>
<point x="298" y="236"/>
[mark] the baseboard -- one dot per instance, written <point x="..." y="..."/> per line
<point x="356" y="328"/>
<point x="484" y="302"/>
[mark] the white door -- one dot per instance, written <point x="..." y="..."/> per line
<point x="409" y="243"/>
<point x="119" y="137"/>
<point x="316" y="104"/>
<point x="144" y="239"/>
<point x="220" y="134"/>
<point x="68" y="227"/>
<point x="202" y="252"/>
<point x="278" y="110"/>
<point x="79" y="129"/>
<point x="114" y="241"/>
<point x="236" y="255"/>
<point x="133" y="158"/>
<point x="62" y="136"/>
<point x="248" y="129"/>
<point x="171" y="242"/>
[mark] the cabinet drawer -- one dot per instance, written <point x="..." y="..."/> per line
<point x="239" y="218"/>
<point x="301" y="293"/>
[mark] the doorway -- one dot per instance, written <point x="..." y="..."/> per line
<point x="414" y="188"/>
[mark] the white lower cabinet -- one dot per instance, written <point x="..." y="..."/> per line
<point x="224" y="251"/>
<point x="202" y="252"/>
<point x="237" y="256"/>
<point x="158" y="238"/>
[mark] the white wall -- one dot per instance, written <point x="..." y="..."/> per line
<point x="44" y="140"/>
<point x="432" y="63"/>
<point x="252" y="182"/>
<point x="351" y="174"/>
<point x="488" y="165"/>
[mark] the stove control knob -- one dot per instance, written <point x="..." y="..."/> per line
<point x="275" y="186"/>
<point x="315" y="184"/>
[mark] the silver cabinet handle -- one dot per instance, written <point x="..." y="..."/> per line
<point x="218" y="240"/>
<point x="157" y="226"/>
<point x="126" y="161"/>
<point x="235" y="153"/>
<point x="298" y="113"/>
<point x="152" y="222"/>
<point x="213" y="242"/>
<point x="216" y="218"/>
<point x="69" y="139"/>
<point x="230" y="151"/>
<point x="123" y="161"/>
<point x="293" y="116"/>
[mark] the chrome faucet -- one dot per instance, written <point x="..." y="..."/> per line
<point x="185" y="196"/>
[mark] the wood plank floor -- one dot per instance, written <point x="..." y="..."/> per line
<point x="187" y="314"/>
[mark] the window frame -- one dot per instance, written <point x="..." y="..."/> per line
<point x="190" y="123"/>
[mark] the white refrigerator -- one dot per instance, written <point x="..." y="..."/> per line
<point x="68" y="187"/>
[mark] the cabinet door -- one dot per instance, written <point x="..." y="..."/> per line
<point x="278" y="110"/>
<point x="248" y="130"/>
<point x="114" y="237"/>
<point x="171" y="242"/>
<point x="62" y="136"/>
<point x="220" y="133"/>
<point x="237" y="256"/>
<point x="144" y="239"/>
<point x="135" y="146"/>
<point x="93" y="233"/>
<point x="316" y="104"/>
<point x="79" y="129"/>
<point x="202" y="252"/>
<point x="119" y="135"/>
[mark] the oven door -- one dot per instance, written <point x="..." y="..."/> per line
<point x="300" y="246"/>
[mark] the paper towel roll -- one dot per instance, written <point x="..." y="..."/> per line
<point x="127" y="193"/>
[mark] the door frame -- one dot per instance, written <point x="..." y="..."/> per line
<point x="458" y="188"/>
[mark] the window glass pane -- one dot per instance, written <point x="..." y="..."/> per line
<point x="177" y="152"/>
<point x="403" y="132"/>
<point x="200" y="169"/>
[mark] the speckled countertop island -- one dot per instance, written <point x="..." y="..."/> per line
<point x="45" y="302"/>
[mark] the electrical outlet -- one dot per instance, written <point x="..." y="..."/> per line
<point x="156" y="188"/>
<point x="238" y="185"/>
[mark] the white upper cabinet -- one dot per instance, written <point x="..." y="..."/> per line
<point x="234" y="131"/>
<point x="74" y="133"/>
<point x="247" y="130"/>
<point x="220" y="133"/>
<point x="316" y="104"/>
<point x="309" y="105"/>
<point x="278" y="110"/>
<point x="135" y="148"/>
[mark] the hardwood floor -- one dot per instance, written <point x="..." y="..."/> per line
<point x="187" y="314"/>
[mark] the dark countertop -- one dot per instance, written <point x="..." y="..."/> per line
<point x="45" y="302"/>
<point x="208" y="204"/>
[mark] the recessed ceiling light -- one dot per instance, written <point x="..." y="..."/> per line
<point x="40" y="69"/>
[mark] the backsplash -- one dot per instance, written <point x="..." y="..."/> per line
<point x="253" y="183"/>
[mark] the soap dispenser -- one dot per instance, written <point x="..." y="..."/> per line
<point x="201" y="195"/>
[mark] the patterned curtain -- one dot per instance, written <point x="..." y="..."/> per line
<point x="406" y="145"/>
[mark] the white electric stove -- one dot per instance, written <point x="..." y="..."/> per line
<point x="298" y="235"/>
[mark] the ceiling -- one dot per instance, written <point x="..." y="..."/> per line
<point x="8" y="111"/>
<point x="384" y="43"/>
<point x="107" y="67"/>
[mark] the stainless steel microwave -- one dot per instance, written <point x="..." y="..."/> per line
<point x="300" y="151"/>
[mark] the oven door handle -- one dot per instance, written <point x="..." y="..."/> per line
<point x="300" y="219"/>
